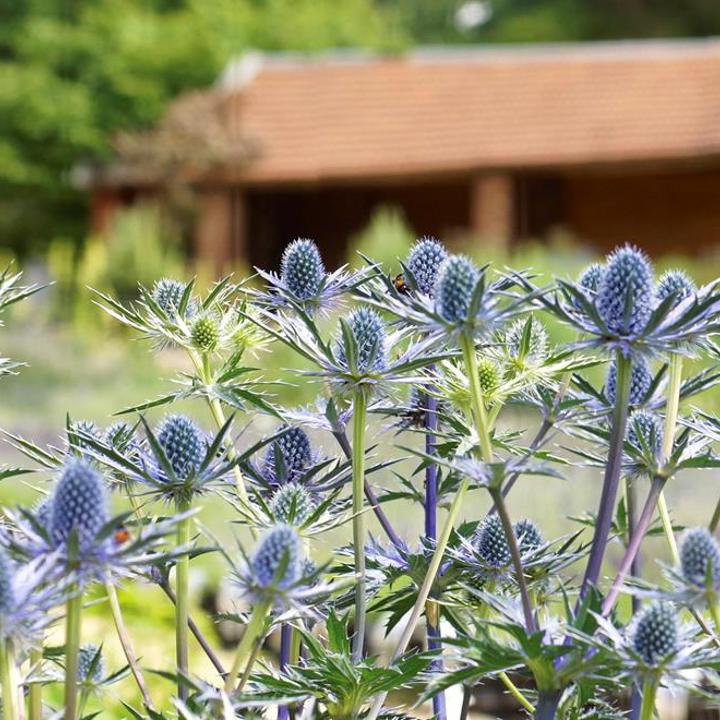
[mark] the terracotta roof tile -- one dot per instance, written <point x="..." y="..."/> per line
<point x="322" y="119"/>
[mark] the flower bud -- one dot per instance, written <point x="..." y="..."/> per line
<point x="79" y="504"/>
<point x="295" y="450"/>
<point x="278" y="560"/>
<point x="368" y="329"/>
<point x="91" y="666"/>
<point x="168" y="294"/>
<point x="528" y="536"/>
<point x="292" y="504"/>
<point x="205" y="333"/>
<point x="183" y="443"/>
<point x="492" y="544"/>
<point x="455" y="286"/>
<point x="675" y="283"/>
<point x="489" y="375"/>
<point x="425" y="258"/>
<point x="301" y="269"/>
<point x="626" y="295"/>
<point x="656" y="632"/>
<point x="591" y="276"/>
<point x="645" y="430"/>
<point x="640" y="381"/>
<point x="700" y="558"/>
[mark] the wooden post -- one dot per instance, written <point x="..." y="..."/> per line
<point x="492" y="209"/>
<point x="214" y="241"/>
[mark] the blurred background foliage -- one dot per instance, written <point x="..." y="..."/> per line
<point x="73" y="73"/>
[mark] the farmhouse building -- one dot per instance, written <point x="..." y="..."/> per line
<point x="613" y="142"/>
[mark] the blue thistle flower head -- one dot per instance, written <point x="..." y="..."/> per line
<point x="183" y="443"/>
<point x="626" y="294"/>
<point x="537" y="347"/>
<point x="656" y="634"/>
<point x="79" y="504"/>
<point x="700" y="558"/>
<point x="82" y="428"/>
<point x="301" y="268"/>
<point x="528" y="535"/>
<point x="368" y="329"/>
<point x="591" y="276"/>
<point x="645" y="429"/>
<point x="295" y="450"/>
<point x="120" y="436"/>
<point x="424" y="261"/>
<point x="640" y="381"/>
<point x="168" y="295"/>
<point x="91" y="666"/>
<point x="278" y="560"/>
<point x="675" y="283"/>
<point x="42" y="511"/>
<point x="7" y="592"/>
<point x="454" y="289"/>
<point x="492" y="544"/>
<point x="292" y="504"/>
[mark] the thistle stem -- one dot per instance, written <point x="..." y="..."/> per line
<point x="547" y="705"/>
<point x="612" y="475"/>
<point x="195" y="630"/>
<point x="671" y="415"/>
<point x="633" y="547"/>
<point x="528" y="611"/>
<point x="202" y="366"/>
<point x="35" y="690"/>
<point x="182" y="588"/>
<point x="370" y="495"/>
<point x="358" y="476"/>
<point x="249" y="645"/>
<point x="73" y="624"/>
<point x="648" y="700"/>
<point x="715" y="613"/>
<point x="482" y="430"/>
<point x="515" y="692"/>
<point x="10" y="693"/>
<point x="286" y="638"/>
<point x="127" y="644"/>
<point x="432" y="609"/>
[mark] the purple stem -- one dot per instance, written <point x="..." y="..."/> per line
<point x="611" y="480"/>
<point x="285" y="646"/>
<point x="431" y="500"/>
<point x="635" y="571"/>
<point x="633" y="547"/>
<point x="372" y="499"/>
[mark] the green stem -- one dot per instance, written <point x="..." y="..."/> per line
<point x="7" y="681"/>
<point x="358" y="485"/>
<point x="249" y="645"/>
<point x="648" y="700"/>
<point x="84" y="695"/>
<point x="671" y="415"/>
<point x="182" y="585"/>
<point x="513" y="690"/>
<point x="482" y="427"/>
<point x="127" y="645"/>
<point x="202" y="366"/>
<point x="715" y="612"/>
<point x="35" y="690"/>
<point x="73" y="624"/>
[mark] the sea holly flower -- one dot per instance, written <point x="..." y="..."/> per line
<point x="77" y="431"/>
<point x="643" y="442"/>
<point x="591" y="277"/>
<point x="304" y="284"/>
<point x="423" y="264"/>
<point x="626" y="313"/>
<point x="292" y="504"/>
<point x="641" y="381"/>
<point x="529" y="536"/>
<point x="205" y="333"/>
<point x="655" y="633"/>
<point x="492" y="543"/>
<point x="91" y="664"/>
<point x="365" y="352"/>
<point x="700" y="559"/>
<point x="526" y="343"/>
<point x="676" y="284"/>
<point x="278" y="561"/>
<point x="288" y="456"/>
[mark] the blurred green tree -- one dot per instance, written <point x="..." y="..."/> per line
<point x="74" y="71"/>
